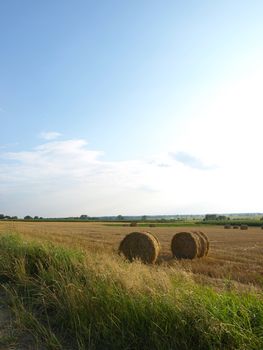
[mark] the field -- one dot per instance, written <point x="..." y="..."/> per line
<point x="79" y="294"/>
<point x="234" y="255"/>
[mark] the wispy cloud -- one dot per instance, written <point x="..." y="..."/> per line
<point x="191" y="161"/>
<point x="60" y="178"/>
<point x="66" y="178"/>
<point x="8" y="145"/>
<point x="49" y="135"/>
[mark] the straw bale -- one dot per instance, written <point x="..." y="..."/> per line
<point x="155" y="237"/>
<point x="140" y="245"/>
<point x="185" y="245"/>
<point x="204" y="242"/>
<point x="207" y="241"/>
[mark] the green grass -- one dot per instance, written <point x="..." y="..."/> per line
<point x="164" y="224"/>
<point x="99" y="301"/>
<point x="248" y="222"/>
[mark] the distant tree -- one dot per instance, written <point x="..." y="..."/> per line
<point x="222" y="217"/>
<point x="28" y="217"/>
<point x="210" y="217"/>
<point x="36" y="217"/>
<point x="2" y="216"/>
<point x="14" y="217"/>
<point x="83" y="217"/>
<point x="144" y="218"/>
<point x="261" y="219"/>
<point x="119" y="217"/>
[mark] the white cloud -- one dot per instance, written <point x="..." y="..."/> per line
<point x="191" y="161"/>
<point x="49" y="135"/>
<point x="62" y="178"/>
<point x="226" y="123"/>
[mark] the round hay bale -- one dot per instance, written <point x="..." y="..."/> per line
<point x="243" y="227"/>
<point x="227" y="226"/>
<point x="155" y="237"/>
<point x="152" y="225"/>
<point x="133" y="224"/>
<point x="262" y="227"/>
<point x="235" y="227"/>
<point x="140" y="245"/>
<point x="202" y="242"/>
<point x="206" y="241"/>
<point x="185" y="245"/>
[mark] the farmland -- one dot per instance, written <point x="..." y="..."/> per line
<point x="103" y="302"/>
<point x="234" y="255"/>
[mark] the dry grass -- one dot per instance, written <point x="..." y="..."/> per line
<point x="98" y="300"/>
<point x="234" y="255"/>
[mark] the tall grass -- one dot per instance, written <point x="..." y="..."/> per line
<point x="98" y="301"/>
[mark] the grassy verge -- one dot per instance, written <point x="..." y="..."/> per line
<point x="98" y="301"/>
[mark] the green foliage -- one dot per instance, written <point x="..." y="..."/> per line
<point x="214" y="217"/>
<point x="88" y="304"/>
<point x="164" y="224"/>
<point x="232" y="222"/>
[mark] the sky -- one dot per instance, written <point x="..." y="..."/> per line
<point x="130" y="107"/>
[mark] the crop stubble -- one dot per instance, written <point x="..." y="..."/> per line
<point x="234" y="255"/>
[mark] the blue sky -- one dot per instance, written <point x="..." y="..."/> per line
<point x="130" y="107"/>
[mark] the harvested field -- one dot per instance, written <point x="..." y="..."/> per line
<point x="234" y="255"/>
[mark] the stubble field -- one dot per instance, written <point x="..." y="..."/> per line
<point x="234" y="259"/>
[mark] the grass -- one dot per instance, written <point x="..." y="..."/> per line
<point x="96" y="300"/>
<point x="234" y="256"/>
<point x="157" y="224"/>
<point x="249" y="222"/>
